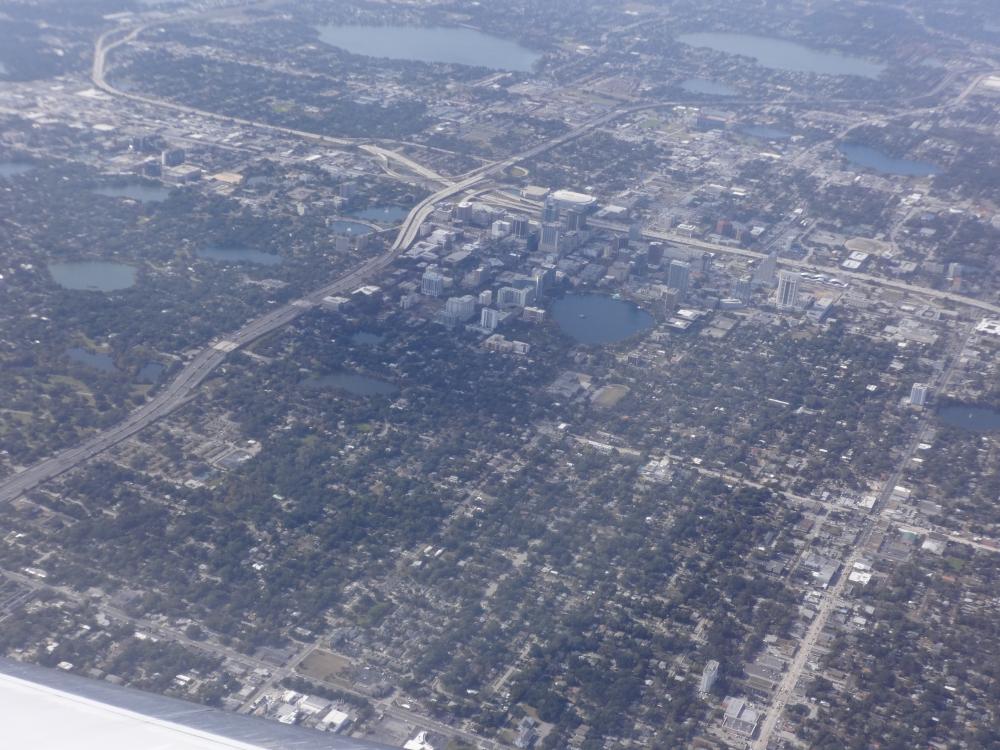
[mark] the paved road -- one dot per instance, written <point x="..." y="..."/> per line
<point x="832" y="596"/>
<point x="175" y="393"/>
<point x="902" y="286"/>
<point x="178" y="390"/>
<point x="202" y="364"/>
<point x="167" y="632"/>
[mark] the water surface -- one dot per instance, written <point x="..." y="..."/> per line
<point x="871" y="158"/>
<point x="781" y="54"/>
<point x="598" y="319"/>
<point x="151" y="372"/>
<point x="346" y="226"/>
<point x="93" y="275"/>
<point x="392" y="214"/>
<point x="238" y="255"/>
<point x="431" y="44"/>
<point x="14" y="168"/>
<point x="136" y="191"/>
<point x="970" y="418"/>
<point x="102" y="362"/>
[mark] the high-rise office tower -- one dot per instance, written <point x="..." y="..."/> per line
<point x="520" y="227"/>
<point x="432" y="283"/>
<point x="788" y="290"/>
<point x="550" y="237"/>
<point x="654" y="253"/>
<point x="743" y="289"/>
<point x="489" y="319"/>
<point x="678" y="275"/>
<point x="708" y="676"/>
<point x="550" y="211"/>
<point x="764" y="273"/>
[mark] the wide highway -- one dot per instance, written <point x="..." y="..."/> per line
<point x="201" y="365"/>
<point x="505" y="200"/>
<point x="178" y="390"/>
<point x="204" y="362"/>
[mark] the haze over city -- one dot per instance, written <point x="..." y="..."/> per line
<point x="446" y="375"/>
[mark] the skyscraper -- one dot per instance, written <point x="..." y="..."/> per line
<point x="788" y="290"/>
<point x="708" y="675"/>
<point x="489" y="319"/>
<point x="654" y="253"/>
<point x="520" y="227"/>
<point x="549" y="238"/>
<point x="509" y="296"/>
<point x="460" y="308"/>
<point x="678" y="275"/>
<point x="918" y="394"/>
<point x="743" y="289"/>
<point x="764" y="273"/>
<point x="574" y="219"/>
<point x="432" y="283"/>
<point x="550" y="212"/>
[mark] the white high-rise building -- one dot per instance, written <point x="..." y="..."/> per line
<point x="489" y="319"/>
<point x="510" y="296"/>
<point x="788" y="290"/>
<point x="460" y="308"/>
<point x="432" y="283"/>
<point x="486" y="298"/>
<point x="918" y="394"/>
<point x="500" y="229"/>
<point x="678" y="276"/>
<point x="708" y="675"/>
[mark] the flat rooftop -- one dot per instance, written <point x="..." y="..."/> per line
<point x="51" y="710"/>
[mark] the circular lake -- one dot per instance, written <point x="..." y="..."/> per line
<point x="599" y="319"/>
<point x="93" y="275"/>
<point x="431" y="44"/>
<point x="971" y="418"/>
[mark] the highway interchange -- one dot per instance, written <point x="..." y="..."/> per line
<point x="202" y="364"/>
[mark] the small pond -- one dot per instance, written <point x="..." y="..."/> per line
<point x="93" y="275"/>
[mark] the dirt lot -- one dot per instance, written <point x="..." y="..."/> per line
<point x="322" y="665"/>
